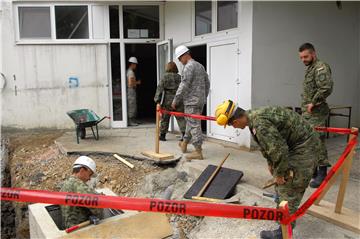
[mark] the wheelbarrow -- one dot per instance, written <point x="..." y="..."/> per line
<point x="85" y="118"/>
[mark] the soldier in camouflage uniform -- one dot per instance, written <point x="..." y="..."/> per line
<point x="193" y="91"/>
<point x="164" y="96"/>
<point x="83" y="168"/>
<point x="132" y="84"/>
<point x="317" y="86"/>
<point x="288" y="142"/>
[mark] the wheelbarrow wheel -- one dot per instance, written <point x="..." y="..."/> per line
<point x="82" y="133"/>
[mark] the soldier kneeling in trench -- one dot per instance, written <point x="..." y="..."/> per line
<point x="83" y="169"/>
<point x="286" y="140"/>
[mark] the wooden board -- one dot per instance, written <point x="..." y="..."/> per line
<point x="159" y="156"/>
<point x="221" y="187"/>
<point x="142" y="225"/>
<point x="348" y="219"/>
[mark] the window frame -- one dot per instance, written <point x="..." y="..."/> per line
<point x="214" y="32"/>
<point x="53" y="39"/>
<point x="90" y="40"/>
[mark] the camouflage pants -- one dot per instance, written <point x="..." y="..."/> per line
<point x="165" y="119"/>
<point x="318" y="118"/>
<point x="193" y="131"/>
<point x="131" y="103"/>
<point x="302" y="162"/>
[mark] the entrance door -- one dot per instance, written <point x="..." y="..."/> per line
<point x="117" y="87"/>
<point x="146" y="73"/>
<point x="223" y="73"/>
<point x="164" y="54"/>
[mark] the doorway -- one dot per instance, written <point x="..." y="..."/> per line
<point x="223" y="68"/>
<point x="146" y="71"/>
<point x="199" y="54"/>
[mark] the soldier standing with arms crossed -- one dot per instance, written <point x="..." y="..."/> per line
<point x="317" y="86"/>
<point x="193" y="90"/>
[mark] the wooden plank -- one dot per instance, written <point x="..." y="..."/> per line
<point x="345" y="177"/>
<point x="159" y="156"/>
<point x="347" y="219"/>
<point x="157" y="132"/>
<point x="285" y="229"/>
<point x="202" y="190"/>
<point x="142" y="225"/>
<point x="123" y="161"/>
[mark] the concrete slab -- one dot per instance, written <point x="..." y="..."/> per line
<point x="124" y="142"/>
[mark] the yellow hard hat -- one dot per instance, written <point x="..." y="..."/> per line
<point x="224" y="112"/>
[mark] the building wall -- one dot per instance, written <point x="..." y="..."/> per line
<point x="278" y="30"/>
<point x="38" y="93"/>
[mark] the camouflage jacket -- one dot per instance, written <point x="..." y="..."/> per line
<point x="75" y="215"/>
<point x="195" y="85"/>
<point x="168" y="86"/>
<point x="317" y="85"/>
<point x="279" y="132"/>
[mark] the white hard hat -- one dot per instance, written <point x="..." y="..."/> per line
<point x="180" y="50"/>
<point x="85" y="161"/>
<point x="133" y="60"/>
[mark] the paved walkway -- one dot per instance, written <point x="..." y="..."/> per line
<point x="132" y="141"/>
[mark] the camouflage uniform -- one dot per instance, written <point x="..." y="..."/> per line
<point x="287" y="141"/>
<point x="131" y="96"/>
<point x="75" y="215"/>
<point x="193" y="90"/>
<point x="165" y="94"/>
<point x="317" y="86"/>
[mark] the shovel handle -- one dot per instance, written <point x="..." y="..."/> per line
<point x="78" y="226"/>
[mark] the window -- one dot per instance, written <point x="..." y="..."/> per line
<point x="114" y="21"/>
<point x="72" y="22"/>
<point x="227" y="14"/>
<point x="98" y="21"/>
<point x="34" y="22"/>
<point x="202" y="17"/>
<point x="141" y="21"/>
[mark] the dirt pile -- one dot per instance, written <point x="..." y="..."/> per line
<point x="36" y="163"/>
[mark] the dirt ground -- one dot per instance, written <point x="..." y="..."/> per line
<point x="36" y="163"/>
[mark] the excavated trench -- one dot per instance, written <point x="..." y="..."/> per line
<point x="7" y="208"/>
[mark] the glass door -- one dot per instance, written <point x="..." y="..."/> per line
<point x="164" y="54"/>
<point x="118" y="90"/>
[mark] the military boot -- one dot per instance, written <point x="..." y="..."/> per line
<point x="132" y="123"/>
<point x="162" y="137"/>
<point x="321" y="174"/>
<point x="183" y="146"/>
<point x="197" y="154"/>
<point x="315" y="173"/>
<point x="182" y="136"/>
<point x="275" y="234"/>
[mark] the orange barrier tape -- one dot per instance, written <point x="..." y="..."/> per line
<point x="143" y="204"/>
<point x="181" y="114"/>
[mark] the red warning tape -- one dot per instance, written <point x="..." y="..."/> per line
<point x="144" y="204"/>
<point x="181" y="114"/>
<point x="337" y="130"/>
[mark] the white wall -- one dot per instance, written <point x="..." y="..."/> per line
<point x="42" y="94"/>
<point x="281" y="27"/>
<point x="178" y="21"/>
